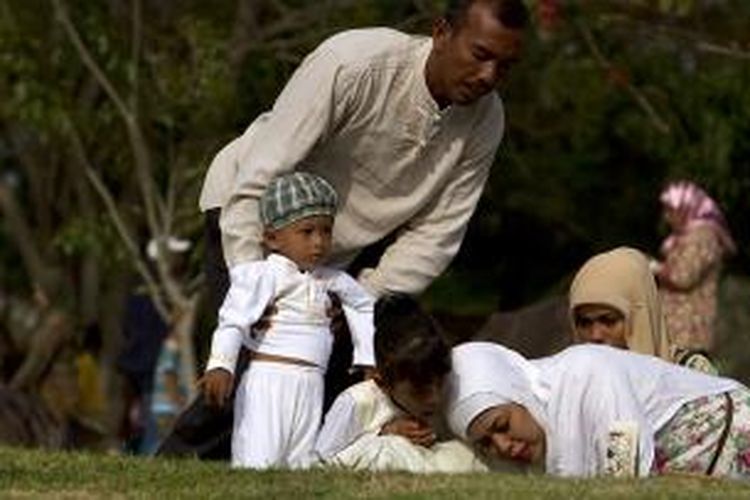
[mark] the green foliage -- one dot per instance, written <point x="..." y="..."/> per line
<point x="578" y="171"/>
<point x="582" y="162"/>
<point x="96" y="237"/>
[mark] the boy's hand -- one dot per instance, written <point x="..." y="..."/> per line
<point x="216" y="386"/>
<point x="412" y="429"/>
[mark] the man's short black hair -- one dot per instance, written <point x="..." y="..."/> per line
<point x="409" y="344"/>
<point x="513" y="14"/>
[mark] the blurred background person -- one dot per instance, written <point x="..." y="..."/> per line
<point x="145" y="332"/>
<point x="690" y="266"/>
<point x="170" y="392"/>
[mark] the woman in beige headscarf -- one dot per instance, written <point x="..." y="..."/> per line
<point x="614" y="301"/>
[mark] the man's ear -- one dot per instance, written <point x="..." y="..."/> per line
<point x="269" y="240"/>
<point x="441" y="32"/>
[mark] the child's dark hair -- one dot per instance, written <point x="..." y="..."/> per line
<point x="409" y="344"/>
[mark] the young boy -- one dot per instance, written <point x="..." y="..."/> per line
<point x="388" y="422"/>
<point x="279" y="399"/>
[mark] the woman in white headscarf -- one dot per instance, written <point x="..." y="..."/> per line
<point x="594" y="410"/>
<point x="690" y="266"/>
<point x="613" y="300"/>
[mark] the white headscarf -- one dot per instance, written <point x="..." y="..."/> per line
<point x="576" y="396"/>
<point x="486" y="374"/>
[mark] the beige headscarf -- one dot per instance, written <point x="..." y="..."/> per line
<point x="622" y="279"/>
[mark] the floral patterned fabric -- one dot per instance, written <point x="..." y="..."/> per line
<point x="695" y="360"/>
<point x="688" y="284"/>
<point x="689" y="441"/>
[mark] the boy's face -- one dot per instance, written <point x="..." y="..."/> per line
<point x="508" y="431"/>
<point x="420" y="401"/>
<point x="306" y="241"/>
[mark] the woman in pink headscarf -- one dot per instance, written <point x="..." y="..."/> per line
<point x="692" y="256"/>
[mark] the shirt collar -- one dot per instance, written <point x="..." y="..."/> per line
<point x="283" y="262"/>
<point x="425" y="101"/>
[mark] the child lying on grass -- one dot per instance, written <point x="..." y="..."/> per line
<point x="389" y="422"/>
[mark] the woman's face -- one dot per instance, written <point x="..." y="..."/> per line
<point x="600" y="324"/>
<point x="508" y="431"/>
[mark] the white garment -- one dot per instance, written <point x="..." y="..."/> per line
<point x="350" y="438"/>
<point x="576" y="396"/>
<point x="277" y="412"/>
<point x="300" y="327"/>
<point x="358" y="112"/>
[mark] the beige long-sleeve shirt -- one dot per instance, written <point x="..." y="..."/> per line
<point x="358" y="112"/>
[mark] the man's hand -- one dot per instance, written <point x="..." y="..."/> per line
<point x="412" y="429"/>
<point x="216" y="386"/>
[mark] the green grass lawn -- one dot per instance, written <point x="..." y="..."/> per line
<point x="39" y="474"/>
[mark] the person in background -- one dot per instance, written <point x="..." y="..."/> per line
<point x="690" y="265"/>
<point x="613" y="300"/>
<point x="170" y="393"/>
<point x="594" y="410"/>
<point x="91" y="429"/>
<point x="393" y="420"/>
<point x="279" y="401"/>
<point x="144" y="331"/>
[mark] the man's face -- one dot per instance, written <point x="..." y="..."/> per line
<point x="508" y="431"/>
<point x="601" y="324"/>
<point x="307" y="241"/>
<point x="472" y="57"/>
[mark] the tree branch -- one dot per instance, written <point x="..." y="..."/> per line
<point x="137" y="141"/>
<point x="130" y="244"/>
<point x="79" y="153"/>
<point x="135" y="56"/>
<point x="640" y="99"/>
<point x="154" y="209"/>
<point x="20" y="230"/>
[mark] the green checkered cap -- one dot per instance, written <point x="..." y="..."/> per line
<point x="294" y="196"/>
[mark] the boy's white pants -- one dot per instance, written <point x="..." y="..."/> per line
<point x="277" y="415"/>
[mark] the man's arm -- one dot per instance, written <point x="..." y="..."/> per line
<point x="310" y="106"/>
<point x="427" y="244"/>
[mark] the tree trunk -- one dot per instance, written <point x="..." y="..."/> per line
<point x="183" y="328"/>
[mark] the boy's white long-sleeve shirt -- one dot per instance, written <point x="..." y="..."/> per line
<point x="358" y="112"/>
<point x="300" y="327"/>
<point x="361" y="409"/>
<point x="350" y="437"/>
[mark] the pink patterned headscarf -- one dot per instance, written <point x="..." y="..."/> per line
<point x="694" y="208"/>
